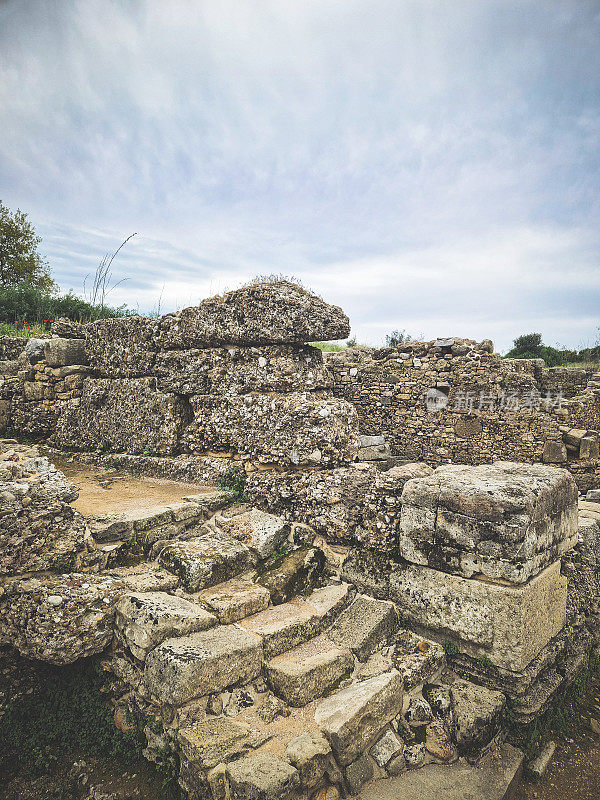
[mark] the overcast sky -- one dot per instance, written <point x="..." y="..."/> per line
<point x="430" y="165"/>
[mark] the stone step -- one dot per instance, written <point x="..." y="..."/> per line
<point x="199" y="664"/>
<point x="263" y="777"/>
<point x="233" y="600"/>
<point x="156" y="522"/>
<point x="365" y="626"/>
<point x="308" y="671"/>
<point x="144" y="620"/>
<point x="205" y="560"/>
<point x="287" y="625"/>
<point x="263" y="533"/>
<point x="352" y="717"/>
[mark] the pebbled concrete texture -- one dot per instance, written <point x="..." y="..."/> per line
<point x="494" y="778"/>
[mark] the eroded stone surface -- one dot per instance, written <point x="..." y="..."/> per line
<point x="261" y="532"/>
<point x="262" y="777"/>
<point x="477" y="712"/>
<point x="146" y="620"/>
<point x="234" y="600"/>
<point x="366" y="625"/>
<point x="507" y="624"/>
<point x="351" y="718"/>
<point x="505" y="520"/>
<point x="196" y="665"/>
<point x="205" y="560"/>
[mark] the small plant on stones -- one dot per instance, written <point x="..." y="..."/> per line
<point x="234" y="479"/>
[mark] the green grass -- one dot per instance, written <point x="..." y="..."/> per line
<point x="24" y="331"/>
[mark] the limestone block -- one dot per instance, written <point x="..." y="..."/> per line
<point x="352" y="717"/>
<point x="365" y="626"/>
<point x="206" y="560"/>
<point x="234" y="600"/>
<point x="261" y="532"/>
<point x="64" y="352"/>
<point x="417" y="659"/>
<point x="505" y="520"/>
<point x="296" y="573"/>
<point x="309" y="670"/>
<point x="263" y="777"/>
<point x="213" y="741"/>
<point x="310" y="754"/>
<point x="202" y="663"/>
<point x="146" y="620"/>
<point x="477" y="713"/>
<point x="128" y="415"/>
<point x="262" y="313"/>
<point x="508" y="624"/>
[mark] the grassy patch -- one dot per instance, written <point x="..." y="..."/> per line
<point x="234" y="480"/>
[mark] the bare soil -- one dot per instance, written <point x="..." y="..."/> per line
<point x="105" y="491"/>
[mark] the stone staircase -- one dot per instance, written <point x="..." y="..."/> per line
<point x="277" y="680"/>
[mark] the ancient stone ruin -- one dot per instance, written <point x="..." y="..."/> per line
<point x="396" y="577"/>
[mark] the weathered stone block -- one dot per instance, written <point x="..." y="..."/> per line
<point x="352" y="718"/>
<point x="196" y="665"/>
<point x="261" y="532"/>
<point x="508" y="624"/>
<point x="310" y="754"/>
<point x="262" y="313"/>
<point x="127" y="415"/>
<point x="146" y="620"/>
<point x="297" y="573"/>
<point x="123" y="347"/>
<point x="214" y="741"/>
<point x="477" y="712"/>
<point x="205" y="560"/>
<point x="234" y="599"/>
<point x="365" y="626"/>
<point x="64" y="352"/>
<point x="309" y="670"/>
<point x="505" y="520"/>
<point x="262" y="777"/>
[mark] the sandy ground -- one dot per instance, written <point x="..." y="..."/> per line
<point x="103" y="491"/>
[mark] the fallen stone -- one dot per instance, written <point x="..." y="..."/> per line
<point x="365" y="626"/>
<point x="536" y="769"/>
<point x="386" y="748"/>
<point x="417" y="659"/>
<point x="309" y="753"/>
<point x="234" y="600"/>
<point x="214" y="741"/>
<point x="438" y="740"/>
<point x="308" y="671"/>
<point x="296" y="573"/>
<point x="351" y="718"/>
<point x="262" y="777"/>
<point x="206" y="560"/>
<point x="418" y="712"/>
<point x="358" y="773"/>
<point x="263" y="533"/>
<point x="477" y="714"/>
<point x="146" y="620"/>
<point x="199" y="664"/>
<point x="509" y="625"/>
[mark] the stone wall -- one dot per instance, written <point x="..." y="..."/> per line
<point x="455" y="400"/>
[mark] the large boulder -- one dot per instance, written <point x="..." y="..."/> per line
<point x="270" y="312"/>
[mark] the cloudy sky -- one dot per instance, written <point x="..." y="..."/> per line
<point x="429" y="165"/>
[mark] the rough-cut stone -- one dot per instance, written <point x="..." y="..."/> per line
<point x="417" y="659"/>
<point x="146" y="620"/>
<point x="127" y="415"/>
<point x="145" y="577"/>
<point x="38" y="528"/>
<point x="205" y="560"/>
<point x="351" y="718"/>
<point x="386" y="748"/>
<point x="60" y="618"/>
<point x="366" y="625"/>
<point x="197" y="665"/>
<point x="261" y="532"/>
<point x="309" y="670"/>
<point x="234" y="599"/>
<point x="310" y="754"/>
<point x="64" y="352"/>
<point x="358" y="773"/>
<point x="261" y="313"/>
<point x="438" y="740"/>
<point x="293" y="430"/>
<point x="240" y="370"/>
<point x="507" y="624"/>
<point x="477" y="712"/>
<point x="214" y="741"/>
<point x="262" y="777"/>
<point x="123" y="347"/>
<point x="66" y="328"/>
<point x="297" y="573"/>
<point x="284" y="626"/>
<point x="505" y="520"/>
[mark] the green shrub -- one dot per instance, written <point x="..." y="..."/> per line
<point x="234" y="479"/>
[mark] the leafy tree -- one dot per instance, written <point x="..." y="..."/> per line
<point x="529" y="345"/>
<point x="397" y="337"/>
<point x="20" y="260"/>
